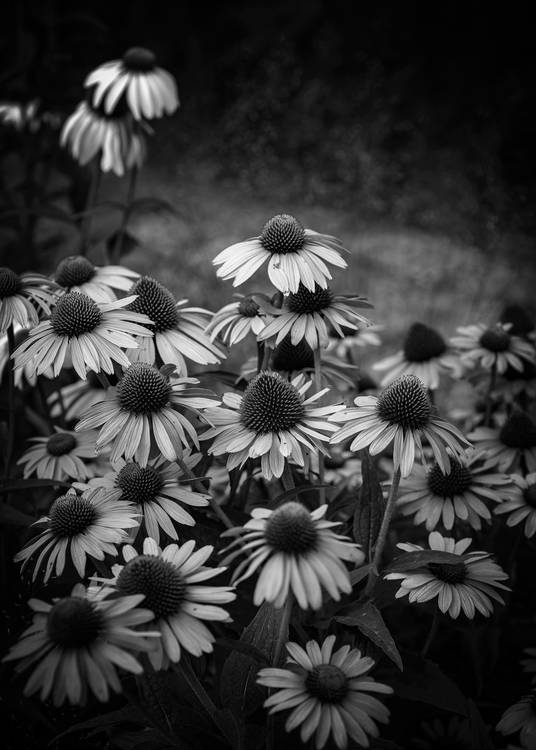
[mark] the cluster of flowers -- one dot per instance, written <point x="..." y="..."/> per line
<point x="128" y="428"/>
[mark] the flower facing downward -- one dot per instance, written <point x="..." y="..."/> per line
<point x="77" y="274"/>
<point x="21" y="297"/>
<point x="176" y="333"/>
<point x="401" y="414"/>
<point x="170" y="581"/>
<point x="511" y="447"/>
<point x="271" y="420"/>
<point x="156" y="492"/>
<point x="521" y="503"/>
<point x="135" y="80"/>
<point x="89" y="133"/>
<point x="142" y="409"/>
<point x="298" y="552"/>
<point x="425" y="355"/>
<point x="78" y="526"/>
<point x="521" y="717"/>
<point x="93" y="334"/>
<point x="59" y="456"/>
<point x="329" y="693"/>
<point x="434" y="497"/>
<point x="77" y="644"/>
<point x="468" y="584"/>
<point x="492" y="347"/>
<point x="294" y="255"/>
<point x="308" y="314"/>
<point x="235" y="320"/>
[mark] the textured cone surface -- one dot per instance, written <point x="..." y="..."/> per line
<point x="158" y="579"/>
<point x="74" y="315"/>
<point x="291" y="529"/>
<point x="270" y="404"/>
<point x="138" y="484"/>
<point x="456" y="482"/>
<point x="74" y="623"/>
<point x="283" y="234"/>
<point x="10" y="283"/>
<point x="305" y="301"/>
<point x="327" y="683"/>
<point x="71" y="515"/>
<point x="155" y="301"/>
<point x="405" y="402"/>
<point x="143" y="389"/>
<point x="74" y="271"/>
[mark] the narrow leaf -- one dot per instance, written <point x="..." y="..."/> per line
<point x="419" y="559"/>
<point x="368" y="619"/>
<point x="369" y="508"/>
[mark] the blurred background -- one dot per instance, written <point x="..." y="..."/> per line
<point x="406" y="129"/>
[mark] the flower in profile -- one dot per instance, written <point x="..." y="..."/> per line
<point x="521" y="717"/>
<point x="493" y="347"/>
<point x="142" y="409"/>
<point x="93" y="335"/>
<point x="307" y="314"/>
<point x="529" y="664"/>
<point x="79" y="526"/>
<point x="76" y="644"/>
<point x="295" y="255"/>
<point x="271" y="420"/>
<point x="521" y="503"/>
<point x="177" y="332"/>
<point x="60" y="456"/>
<point x="424" y="354"/>
<point x="468" y="584"/>
<point x="156" y="492"/>
<point x="22" y="297"/>
<point x="170" y="581"/>
<point x="234" y="321"/>
<point x="401" y="414"/>
<point x="434" y="497"/>
<point x="329" y="693"/>
<point x="135" y="81"/>
<point x="76" y="398"/>
<point x="511" y="447"/>
<point x="117" y="141"/>
<point x="299" y="552"/>
<point x="77" y="274"/>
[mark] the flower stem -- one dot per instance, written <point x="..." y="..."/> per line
<point x="318" y="386"/>
<point x="218" y="510"/>
<point x="90" y="202"/>
<point x="131" y="191"/>
<point x="11" y="402"/>
<point x="489" y="400"/>
<point x="431" y="634"/>
<point x="382" y="536"/>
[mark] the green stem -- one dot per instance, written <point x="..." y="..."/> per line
<point x="131" y="191"/>
<point x="266" y="357"/>
<point x="321" y="467"/>
<point x="222" y="515"/>
<point x="287" y="479"/>
<point x="260" y="355"/>
<point x="431" y="634"/>
<point x="382" y="536"/>
<point x="11" y="402"/>
<point x="489" y="400"/>
<point x="90" y="202"/>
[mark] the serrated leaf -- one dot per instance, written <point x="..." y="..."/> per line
<point x="238" y="689"/>
<point x="419" y="559"/>
<point x="369" y="508"/>
<point x="367" y="618"/>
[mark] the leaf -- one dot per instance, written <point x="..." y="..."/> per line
<point x="370" y="507"/>
<point x="13" y="517"/>
<point x="368" y="619"/>
<point x="480" y="739"/>
<point x="299" y="491"/>
<point x="358" y="574"/>
<point x="126" y="715"/>
<point x="248" y="649"/>
<point x="413" y="560"/>
<point x="238" y="689"/>
<point x="425" y="682"/>
<point x="31" y="484"/>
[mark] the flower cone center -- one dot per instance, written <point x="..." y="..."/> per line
<point x="519" y="431"/>
<point x="456" y="482"/>
<point x="405" y="402"/>
<point x="143" y="389"/>
<point x="139" y="485"/>
<point x="139" y="60"/>
<point x="10" y="283"/>
<point x="423" y="343"/>
<point x="74" y="623"/>
<point x="305" y="301"/>
<point x="61" y="443"/>
<point x="529" y="495"/>
<point x="270" y="404"/>
<point x="159" y="580"/>
<point x="71" y="515"/>
<point x="288" y="357"/>
<point x="74" y="271"/>
<point x="283" y="234"/>
<point x="495" y="340"/>
<point x="291" y="529"/>
<point x="155" y="301"/>
<point x="248" y="307"/>
<point x="327" y="683"/>
<point x="74" y="315"/>
<point x="455" y="573"/>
